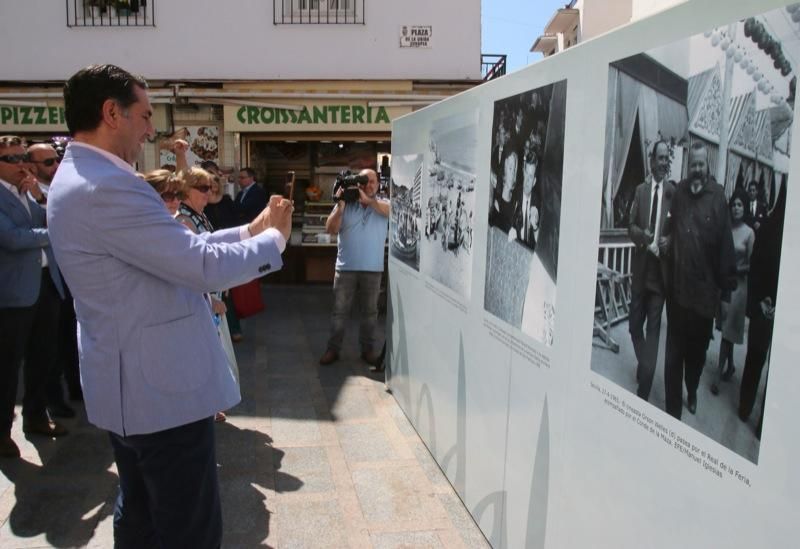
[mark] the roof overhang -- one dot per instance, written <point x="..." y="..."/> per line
<point x="544" y="43"/>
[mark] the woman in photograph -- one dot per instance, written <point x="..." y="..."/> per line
<point x="762" y="293"/>
<point x="731" y="319"/>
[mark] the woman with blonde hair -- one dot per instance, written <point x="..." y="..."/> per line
<point x="196" y="187"/>
<point x="165" y="184"/>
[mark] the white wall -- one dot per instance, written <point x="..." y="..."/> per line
<point x="544" y="451"/>
<point x="601" y="16"/>
<point x="236" y="40"/>
<point x="645" y="8"/>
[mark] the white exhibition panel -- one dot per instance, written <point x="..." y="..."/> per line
<point x="543" y="436"/>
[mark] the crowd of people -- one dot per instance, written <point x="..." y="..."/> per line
<point x="148" y="298"/>
<point x="517" y="147"/>
<point x="712" y="261"/>
<point x="148" y="258"/>
<point x="449" y="222"/>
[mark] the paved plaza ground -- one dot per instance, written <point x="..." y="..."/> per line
<point x="312" y="457"/>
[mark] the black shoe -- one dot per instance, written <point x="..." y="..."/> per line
<point x="60" y="409"/>
<point x="692" y="403"/>
<point x="43" y="426"/>
<point x="728" y="373"/>
<point x="329" y="357"/>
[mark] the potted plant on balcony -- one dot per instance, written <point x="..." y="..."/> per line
<point x="123" y="8"/>
<point x="95" y="8"/>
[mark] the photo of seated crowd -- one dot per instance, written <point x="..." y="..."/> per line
<point x="694" y="195"/>
<point x="525" y="209"/>
<point x="406" y="217"/>
<point x="448" y="199"/>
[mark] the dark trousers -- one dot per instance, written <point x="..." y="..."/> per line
<point x="688" y="335"/>
<point x="28" y="334"/>
<point x="230" y="314"/>
<point x="67" y="353"/>
<point x="168" y="489"/>
<point x="646" y="306"/>
<point x="759" y="337"/>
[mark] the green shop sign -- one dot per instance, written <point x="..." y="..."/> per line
<point x="311" y="118"/>
<point x="31" y="118"/>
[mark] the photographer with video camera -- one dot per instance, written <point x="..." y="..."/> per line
<point x="360" y="219"/>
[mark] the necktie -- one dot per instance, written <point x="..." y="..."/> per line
<point x="654" y="211"/>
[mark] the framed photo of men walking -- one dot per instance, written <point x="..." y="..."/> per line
<point x="698" y="134"/>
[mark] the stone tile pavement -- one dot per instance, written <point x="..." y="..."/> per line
<point x="312" y="457"/>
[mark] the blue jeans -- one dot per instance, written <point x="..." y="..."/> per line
<point x="366" y="285"/>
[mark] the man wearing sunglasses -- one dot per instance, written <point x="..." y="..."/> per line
<point x="153" y="369"/>
<point x="30" y="294"/>
<point x="44" y="161"/>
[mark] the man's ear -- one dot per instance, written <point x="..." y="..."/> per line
<point x="111" y="112"/>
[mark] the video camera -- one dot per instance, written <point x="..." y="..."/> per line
<point x="350" y="182"/>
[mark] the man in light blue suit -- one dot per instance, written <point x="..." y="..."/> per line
<point x="153" y="369"/>
<point x="30" y="292"/>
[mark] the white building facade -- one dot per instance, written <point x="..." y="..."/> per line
<point x="309" y="86"/>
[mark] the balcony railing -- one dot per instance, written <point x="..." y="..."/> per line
<point x="492" y="66"/>
<point x="318" y="12"/>
<point x="111" y="13"/>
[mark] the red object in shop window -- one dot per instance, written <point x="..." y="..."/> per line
<point x="247" y="299"/>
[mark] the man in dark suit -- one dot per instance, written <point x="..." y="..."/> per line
<point x="30" y="292"/>
<point x="698" y="239"/>
<point x="252" y="197"/>
<point x="755" y="211"/>
<point x="44" y="161"/>
<point x="649" y="209"/>
<point x="525" y="223"/>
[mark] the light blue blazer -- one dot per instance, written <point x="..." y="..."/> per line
<point x="22" y="239"/>
<point x="150" y="356"/>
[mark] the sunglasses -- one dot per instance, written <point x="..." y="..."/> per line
<point x="14" y="158"/>
<point x="169" y="196"/>
<point x="202" y="188"/>
<point x="47" y="161"/>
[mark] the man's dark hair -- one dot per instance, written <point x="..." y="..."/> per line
<point x="655" y="148"/>
<point x="209" y="165"/>
<point x="249" y="171"/>
<point x="87" y="90"/>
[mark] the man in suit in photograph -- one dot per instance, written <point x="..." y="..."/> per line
<point x="30" y="294"/>
<point x="153" y="368"/>
<point x="252" y="198"/>
<point x="755" y="211"/>
<point x="526" y="215"/>
<point x="649" y="209"/>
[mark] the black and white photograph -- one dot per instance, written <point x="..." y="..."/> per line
<point x="698" y="137"/>
<point x="526" y="167"/>
<point x="448" y="202"/>
<point x="406" y="220"/>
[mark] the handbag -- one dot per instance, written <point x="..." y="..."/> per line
<point x="227" y="345"/>
<point x="247" y="299"/>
